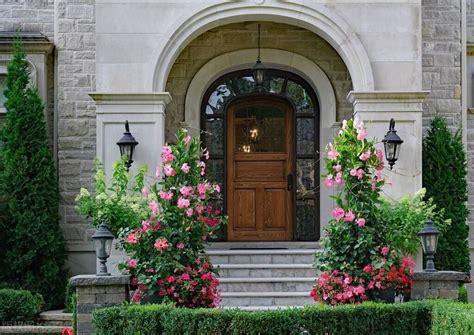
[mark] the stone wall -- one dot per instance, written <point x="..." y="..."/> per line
<point x="75" y="45"/>
<point x="244" y="36"/>
<point x="470" y="132"/>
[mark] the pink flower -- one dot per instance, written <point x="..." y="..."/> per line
<point x="203" y="168"/>
<point x="136" y="296"/>
<point x="349" y="216"/>
<point x="337" y="167"/>
<point x="161" y="244"/>
<point x="385" y="250"/>
<point x="158" y="172"/>
<point x="338" y="213"/>
<point x="217" y="188"/>
<point x="329" y="182"/>
<point x="379" y="154"/>
<point x="145" y="226"/>
<point x="360" y="222"/>
<point x="182" y="203"/>
<point x="374" y="184"/>
<point x="365" y="156"/>
<point x="187" y="140"/>
<point x="353" y="172"/>
<point x="338" y="180"/>
<point x="165" y="195"/>
<point x="332" y="153"/>
<point x="199" y="209"/>
<point x="167" y="158"/>
<point x="145" y="192"/>
<point x="408" y="262"/>
<point x="171" y="279"/>
<point x="361" y="134"/>
<point x="185" y="168"/>
<point x="189" y="212"/>
<point x="180" y="246"/>
<point x="360" y="174"/>
<point x="185" y="276"/>
<point x="132" y="263"/>
<point x="166" y="149"/>
<point x="132" y="238"/>
<point x="344" y="124"/>
<point x="186" y="191"/>
<point x="367" y="268"/>
<point x="154" y="207"/>
<point x="169" y="170"/>
<point x="206" y="153"/>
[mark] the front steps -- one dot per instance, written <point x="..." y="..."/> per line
<point x="257" y="278"/>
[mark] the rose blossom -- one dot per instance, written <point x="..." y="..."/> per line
<point x="337" y="167"/>
<point x="158" y="172"/>
<point x="353" y="172"/>
<point x="349" y="216"/>
<point x="161" y="244"/>
<point x="180" y="246"/>
<point x="169" y="171"/>
<point x="332" y="153"/>
<point x="360" y="174"/>
<point x="165" y="195"/>
<point x="338" y="213"/>
<point x="132" y="238"/>
<point x="329" y="182"/>
<point x="338" y="180"/>
<point x="189" y="212"/>
<point x="360" y="222"/>
<point x="145" y="192"/>
<point x="167" y="158"/>
<point x="132" y="263"/>
<point x="154" y="207"/>
<point x="365" y="156"/>
<point x="217" y="188"/>
<point x="186" y="191"/>
<point x="187" y="139"/>
<point x="185" y="168"/>
<point x="182" y="203"/>
<point x="385" y="250"/>
<point x="367" y="268"/>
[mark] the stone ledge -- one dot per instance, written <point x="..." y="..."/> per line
<point x="439" y="276"/>
<point x="93" y="280"/>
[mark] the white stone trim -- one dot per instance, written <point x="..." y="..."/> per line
<point x="273" y="58"/>
<point x="121" y="98"/>
<point x="317" y="18"/>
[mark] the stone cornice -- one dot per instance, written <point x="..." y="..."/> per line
<point x="152" y="98"/>
<point x="32" y="42"/>
<point x="387" y="96"/>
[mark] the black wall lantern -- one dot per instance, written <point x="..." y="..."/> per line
<point x="103" y="244"/>
<point x="127" y="145"/>
<point x="259" y="69"/>
<point x="429" y="241"/>
<point x="392" y="143"/>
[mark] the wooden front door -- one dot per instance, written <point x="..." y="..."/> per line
<point x="260" y="169"/>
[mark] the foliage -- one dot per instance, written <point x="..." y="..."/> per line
<point x="404" y="219"/>
<point x="355" y="244"/>
<point x="31" y="243"/>
<point x="120" y="204"/>
<point x="70" y="298"/>
<point x="421" y="317"/>
<point x="19" y="305"/>
<point x="166" y="249"/>
<point x="444" y="176"/>
<point x="462" y="294"/>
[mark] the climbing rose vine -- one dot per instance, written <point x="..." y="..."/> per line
<point x="166" y="250"/>
<point x="355" y="261"/>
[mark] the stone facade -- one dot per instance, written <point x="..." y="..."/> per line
<point x="240" y="36"/>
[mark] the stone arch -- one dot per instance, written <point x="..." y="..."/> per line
<point x="321" y="21"/>
<point x="274" y="58"/>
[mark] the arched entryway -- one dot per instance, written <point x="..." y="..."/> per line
<point x="265" y="149"/>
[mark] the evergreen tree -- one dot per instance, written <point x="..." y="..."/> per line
<point x="32" y="245"/>
<point x="444" y="177"/>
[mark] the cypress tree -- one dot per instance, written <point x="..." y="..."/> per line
<point x="444" y="177"/>
<point x="33" y="248"/>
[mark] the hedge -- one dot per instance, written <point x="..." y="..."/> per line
<point x="19" y="305"/>
<point x="421" y="317"/>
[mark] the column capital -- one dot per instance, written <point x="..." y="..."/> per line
<point x="387" y="101"/>
<point x="128" y="98"/>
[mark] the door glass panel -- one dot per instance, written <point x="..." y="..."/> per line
<point x="213" y="135"/>
<point x="305" y="136"/>
<point x="305" y="182"/>
<point x="260" y="129"/>
<point x="299" y="97"/>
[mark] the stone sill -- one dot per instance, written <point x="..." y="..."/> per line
<point x="439" y="276"/>
<point x="93" y="280"/>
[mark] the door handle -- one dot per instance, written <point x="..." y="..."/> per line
<point x="289" y="182"/>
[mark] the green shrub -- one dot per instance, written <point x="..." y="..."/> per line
<point x="70" y="298"/>
<point x="31" y="243"/>
<point x="419" y="317"/>
<point x="462" y="294"/>
<point x="19" y="305"/>
<point x="444" y="176"/>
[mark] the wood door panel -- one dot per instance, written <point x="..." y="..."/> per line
<point x="259" y="203"/>
<point x="245" y="209"/>
<point x="274" y="209"/>
<point x="262" y="170"/>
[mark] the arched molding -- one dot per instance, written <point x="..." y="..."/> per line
<point x="317" y="18"/>
<point x="273" y="58"/>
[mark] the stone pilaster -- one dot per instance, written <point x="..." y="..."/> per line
<point x="94" y="292"/>
<point x="436" y="285"/>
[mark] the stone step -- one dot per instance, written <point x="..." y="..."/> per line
<point x="271" y="284"/>
<point x="258" y="299"/>
<point x="56" y="318"/>
<point x="262" y="256"/>
<point x="265" y="270"/>
<point x="31" y="329"/>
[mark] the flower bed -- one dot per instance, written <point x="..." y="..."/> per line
<point x="421" y="317"/>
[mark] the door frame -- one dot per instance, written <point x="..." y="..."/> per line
<point x="264" y="96"/>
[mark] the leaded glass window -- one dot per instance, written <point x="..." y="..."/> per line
<point x="304" y="100"/>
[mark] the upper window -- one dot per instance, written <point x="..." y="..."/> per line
<point x="306" y="105"/>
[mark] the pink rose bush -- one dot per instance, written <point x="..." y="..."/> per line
<point x="355" y="261"/>
<point x="166" y="249"/>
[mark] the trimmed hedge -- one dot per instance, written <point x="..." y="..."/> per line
<point x="419" y="317"/>
<point x="19" y="305"/>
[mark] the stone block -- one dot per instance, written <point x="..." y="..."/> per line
<point x="79" y="11"/>
<point x="446" y="284"/>
<point x="68" y="128"/>
<point x="260" y="259"/>
<point x="239" y="259"/>
<point x="421" y="285"/>
<point x="282" y="259"/>
<point x="256" y="273"/>
<point x="86" y="298"/>
<point x="447" y="293"/>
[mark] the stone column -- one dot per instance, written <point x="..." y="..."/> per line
<point x="94" y="292"/>
<point x="376" y="109"/>
<point x="436" y="285"/>
<point x="146" y="115"/>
